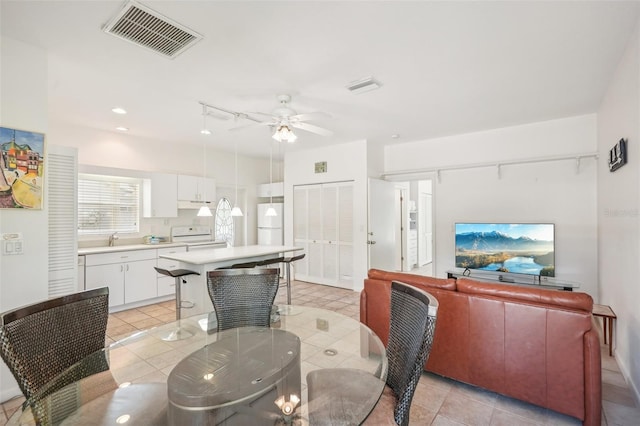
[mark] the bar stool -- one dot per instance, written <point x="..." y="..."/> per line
<point x="270" y="261"/>
<point x="178" y="333"/>
<point x="287" y="261"/>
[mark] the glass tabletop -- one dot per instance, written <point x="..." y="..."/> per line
<point x="134" y="388"/>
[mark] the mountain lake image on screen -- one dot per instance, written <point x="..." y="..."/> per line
<point x="520" y="248"/>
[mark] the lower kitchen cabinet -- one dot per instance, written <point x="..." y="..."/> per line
<point x="129" y="275"/>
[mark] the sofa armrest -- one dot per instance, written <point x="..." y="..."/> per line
<point x="592" y="379"/>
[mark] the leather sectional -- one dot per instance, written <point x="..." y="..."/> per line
<point x="528" y="343"/>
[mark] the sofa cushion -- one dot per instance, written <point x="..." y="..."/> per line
<point x="566" y="299"/>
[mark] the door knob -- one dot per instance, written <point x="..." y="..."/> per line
<point x="371" y="242"/>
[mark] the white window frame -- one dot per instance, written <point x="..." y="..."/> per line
<point x="108" y="204"/>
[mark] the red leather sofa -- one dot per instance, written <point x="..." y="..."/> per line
<point x="535" y="345"/>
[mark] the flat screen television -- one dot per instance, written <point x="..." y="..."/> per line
<point x="520" y="248"/>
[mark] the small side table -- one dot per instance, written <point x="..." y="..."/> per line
<point x="608" y="316"/>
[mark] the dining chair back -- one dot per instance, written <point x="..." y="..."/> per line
<point x="413" y="322"/>
<point x="39" y="342"/>
<point x="413" y="319"/>
<point x="243" y="297"/>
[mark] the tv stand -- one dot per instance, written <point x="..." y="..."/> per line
<point x="514" y="279"/>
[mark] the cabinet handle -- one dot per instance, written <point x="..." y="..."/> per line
<point x="127" y="267"/>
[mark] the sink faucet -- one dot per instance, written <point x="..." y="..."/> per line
<point x="112" y="239"/>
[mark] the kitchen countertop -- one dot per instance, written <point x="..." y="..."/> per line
<point x="125" y="247"/>
<point x="203" y="257"/>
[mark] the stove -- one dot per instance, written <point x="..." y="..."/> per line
<point x="196" y="237"/>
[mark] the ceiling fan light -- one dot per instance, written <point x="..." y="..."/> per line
<point x="236" y="212"/>
<point x="204" y="211"/>
<point x="284" y="133"/>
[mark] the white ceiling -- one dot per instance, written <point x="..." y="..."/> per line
<point x="446" y="67"/>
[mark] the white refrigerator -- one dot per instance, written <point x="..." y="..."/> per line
<point x="270" y="228"/>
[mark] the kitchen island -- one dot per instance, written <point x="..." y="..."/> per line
<point x="194" y="291"/>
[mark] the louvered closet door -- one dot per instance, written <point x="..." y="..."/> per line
<point x="330" y="233"/>
<point x="300" y="237"/>
<point x="314" y="231"/>
<point x="345" y="234"/>
<point x="62" y="203"/>
<point x="324" y="214"/>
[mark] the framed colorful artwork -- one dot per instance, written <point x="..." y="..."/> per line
<point x="21" y="169"/>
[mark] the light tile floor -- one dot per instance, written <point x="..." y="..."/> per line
<point x="437" y="401"/>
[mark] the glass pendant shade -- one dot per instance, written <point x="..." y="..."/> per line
<point x="235" y="211"/>
<point x="271" y="212"/>
<point x="204" y="211"/>
<point x="284" y="134"/>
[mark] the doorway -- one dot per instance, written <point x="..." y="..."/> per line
<point x="403" y="212"/>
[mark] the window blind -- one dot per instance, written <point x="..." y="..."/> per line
<point x="108" y="204"/>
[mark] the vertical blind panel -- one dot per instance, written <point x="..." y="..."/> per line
<point x="62" y="217"/>
<point x="108" y="204"/>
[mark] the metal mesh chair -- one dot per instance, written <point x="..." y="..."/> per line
<point x="243" y="297"/>
<point x="40" y="341"/>
<point x="413" y="320"/>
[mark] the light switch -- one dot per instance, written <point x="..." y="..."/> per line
<point x="12" y="243"/>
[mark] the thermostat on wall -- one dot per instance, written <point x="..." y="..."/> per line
<point x="12" y="243"/>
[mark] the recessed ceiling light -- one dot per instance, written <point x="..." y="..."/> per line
<point x="395" y="136"/>
<point x="122" y="129"/>
<point x="205" y="131"/>
<point x="119" y="110"/>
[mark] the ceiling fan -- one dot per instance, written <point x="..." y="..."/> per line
<point x="284" y="119"/>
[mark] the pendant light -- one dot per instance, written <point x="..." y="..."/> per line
<point x="271" y="212"/>
<point x="235" y="211"/>
<point x="204" y="211"/>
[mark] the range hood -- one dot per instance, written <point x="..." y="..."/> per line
<point x="192" y="205"/>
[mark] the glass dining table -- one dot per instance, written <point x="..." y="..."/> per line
<point x="247" y="375"/>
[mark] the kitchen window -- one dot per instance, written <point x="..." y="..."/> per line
<point x="224" y="222"/>
<point x="108" y="204"/>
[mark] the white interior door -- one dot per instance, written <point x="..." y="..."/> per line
<point x="381" y="237"/>
<point x="425" y="229"/>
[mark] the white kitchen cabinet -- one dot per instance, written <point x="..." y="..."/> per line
<point x="193" y="190"/>
<point x="167" y="285"/>
<point x="160" y="195"/>
<point x="275" y="189"/>
<point x="323" y="225"/>
<point x="128" y="274"/>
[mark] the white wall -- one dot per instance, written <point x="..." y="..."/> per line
<point x="540" y="192"/>
<point x="23" y="105"/>
<point x="618" y="207"/>
<point x="126" y="152"/>
<point x="345" y="162"/>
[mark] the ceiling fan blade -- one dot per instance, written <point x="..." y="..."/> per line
<point x="313" y="129"/>
<point x="310" y="116"/>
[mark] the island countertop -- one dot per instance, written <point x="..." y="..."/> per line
<point x="194" y="287"/>
<point x="203" y="257"/>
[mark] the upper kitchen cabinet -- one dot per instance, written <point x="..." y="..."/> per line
<point x="194" y="190"/>
<point x="160" y="196"/>
<point x="275" y="189"/>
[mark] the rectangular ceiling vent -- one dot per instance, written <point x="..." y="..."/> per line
<point x="145" y="27"/>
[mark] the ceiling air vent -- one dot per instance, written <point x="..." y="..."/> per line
<point x="145" y="27"/>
